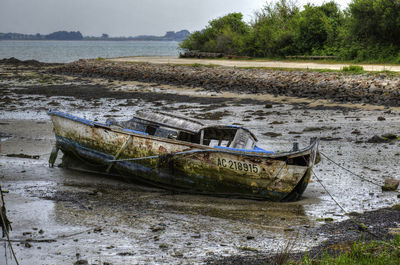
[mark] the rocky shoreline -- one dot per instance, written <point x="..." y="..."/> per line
<point x="377" y="89"/>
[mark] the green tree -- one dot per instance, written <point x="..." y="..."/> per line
<point x="273" y="30"/>
<point x="375" y="21"/>
<point x="224" y="35"/>
<point x="318" y="27"/>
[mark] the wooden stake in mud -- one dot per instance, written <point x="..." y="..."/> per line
<point x="6" y="224"/>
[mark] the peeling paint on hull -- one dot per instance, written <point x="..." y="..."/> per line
<point x="276" y="177"/>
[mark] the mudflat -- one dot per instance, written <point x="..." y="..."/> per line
<point x="62" y="216"/>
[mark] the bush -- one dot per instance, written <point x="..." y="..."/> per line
<point x="368" y="30"/>
<point x="353" y="69"/>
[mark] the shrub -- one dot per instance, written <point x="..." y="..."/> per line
<point x="353" y="69"/>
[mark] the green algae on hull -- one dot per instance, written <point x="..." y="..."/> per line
<point x="186" y="166"/>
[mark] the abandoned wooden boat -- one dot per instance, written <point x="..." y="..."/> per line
<point x="182" y="154"/>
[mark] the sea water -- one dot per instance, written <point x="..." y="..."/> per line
<point x="68" y="51"/>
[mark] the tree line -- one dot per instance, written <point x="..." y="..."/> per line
<point x="367" y="30"/>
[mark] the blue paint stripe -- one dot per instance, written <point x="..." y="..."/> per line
<point x="255" y="150"/>
<point x="134" y="131"/>
<point x="71" y="117"/>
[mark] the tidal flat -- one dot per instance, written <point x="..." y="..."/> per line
<point x="61" y="216"/>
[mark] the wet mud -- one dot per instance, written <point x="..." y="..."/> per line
<point x="61" y="216"/>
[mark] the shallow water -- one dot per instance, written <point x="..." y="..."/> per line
<point x="69" y="51"/>
<point x="101" y="219"/>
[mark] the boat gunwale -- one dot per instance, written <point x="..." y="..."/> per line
<point x="290" y="154"/>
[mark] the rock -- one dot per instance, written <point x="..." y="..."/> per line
<point x="396" y="207"/>
<point x="372" y="88"/>
<point x="380" y="118"/>
<point x="377" y="139"/>
<point x="390" y="184"/>
<point x="268" y="106"/>
<point x="272" y="134"/>
<point x="81" y="262"/>
<point x="27" y="245"/>
<point x="126" y="254"/>
<point x="157" y="228"/>
<point x="163" y="246"/>
<point x="277" y="122"/>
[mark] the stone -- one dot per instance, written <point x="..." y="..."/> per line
<point x="27" y="245"/>
<point x="377" y="139"/>
<point x="396" y="207"/>
<point x="81" y="262"/>
<point x="390" y="184"/>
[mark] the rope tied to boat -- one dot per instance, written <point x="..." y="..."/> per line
<point x="187" y="152"/>
<point x="348" y="170"/>
<point x="361" y="226"/>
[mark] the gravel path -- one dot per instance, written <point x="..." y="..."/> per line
<point x="253" y="63"/>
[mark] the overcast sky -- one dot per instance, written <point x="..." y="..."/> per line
<point x="121" y="17"/>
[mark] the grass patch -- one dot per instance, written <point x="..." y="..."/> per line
<point x="287" y="69"/>
<point x="354" y="69"/>
<point x="203" y="65"/>
<point x="360" y="252"/>
<point x="100" y="59"/>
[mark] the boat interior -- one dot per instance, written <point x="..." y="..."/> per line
<point x="167" y="125"/>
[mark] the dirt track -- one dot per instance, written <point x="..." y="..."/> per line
<point x="253" y="63"/>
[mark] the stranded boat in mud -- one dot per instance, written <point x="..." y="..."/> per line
<point x="182" y="154"/>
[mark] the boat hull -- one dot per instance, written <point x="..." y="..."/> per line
<point x="184" y="166"/>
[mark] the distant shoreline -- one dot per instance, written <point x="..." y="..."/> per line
<point x="76" y="35"/>
<point x="122" y="40"/>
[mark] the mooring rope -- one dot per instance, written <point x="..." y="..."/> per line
<point x="355" y="174"/>
<point x="361" y="226"/>
<point x="351" y="172"/>
<point x="330" y="195"/>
